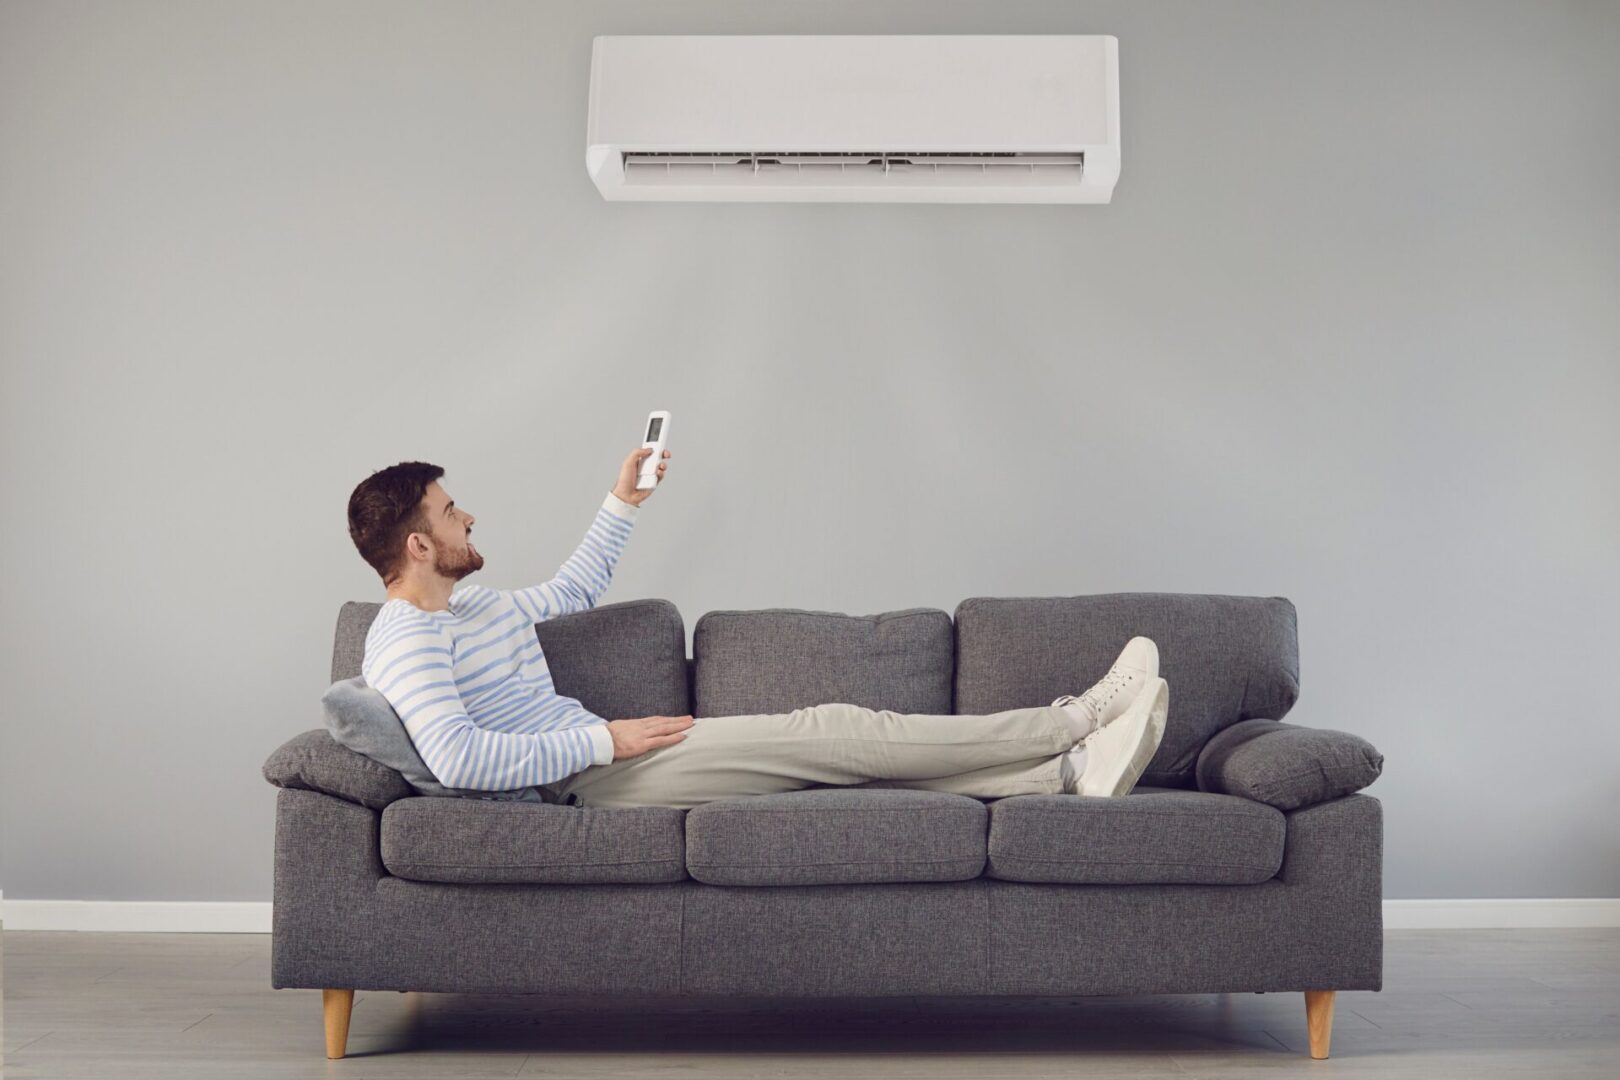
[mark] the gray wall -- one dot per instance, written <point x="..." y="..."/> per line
<point x="1347" y="334"/>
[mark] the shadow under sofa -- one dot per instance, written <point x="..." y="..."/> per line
<point x="1244" y="861"/>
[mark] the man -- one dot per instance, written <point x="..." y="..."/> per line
<point x="463" y="669"/>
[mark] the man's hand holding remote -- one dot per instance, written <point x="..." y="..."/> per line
<point x="626" y="487"/>
<point x="633" y="737"/>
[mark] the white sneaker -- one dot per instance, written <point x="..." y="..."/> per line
<point x="1116" y="755"/>
<point x="1111" y="695"/>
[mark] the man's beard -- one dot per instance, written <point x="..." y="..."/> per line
<point x="455" y="564"/>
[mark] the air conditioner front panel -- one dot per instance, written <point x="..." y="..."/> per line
<point x="748" y="117"/>
<point x="1012" y="92"/>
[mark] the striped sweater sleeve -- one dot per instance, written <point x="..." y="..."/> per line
<point x="585" y="575"/>
<point x="410" y="664"/>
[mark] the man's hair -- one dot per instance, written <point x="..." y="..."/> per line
<point x="385" y="508"/>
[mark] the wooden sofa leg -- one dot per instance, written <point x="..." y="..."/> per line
<point x="1319" y="1018"/>
<point x="338" y="1004"/>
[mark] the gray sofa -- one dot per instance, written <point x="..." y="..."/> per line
<point x="1244" y="861"/>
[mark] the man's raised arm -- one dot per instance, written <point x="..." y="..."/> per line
<point x="585" y="575"/>
<point x="410" y="664"/>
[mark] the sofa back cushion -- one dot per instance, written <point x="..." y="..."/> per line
<point x="620" y="660"/>
<point x="1226" y="658"/>
<point x="779" y="659"/>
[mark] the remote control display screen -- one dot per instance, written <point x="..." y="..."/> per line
<point x="652" y="429"/>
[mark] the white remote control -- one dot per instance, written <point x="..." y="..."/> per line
<point x="657" y="437"/>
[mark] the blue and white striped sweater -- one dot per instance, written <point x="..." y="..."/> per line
<point x="472" y="684"/>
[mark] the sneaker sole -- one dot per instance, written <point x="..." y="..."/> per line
<point x="1150" y="709"/>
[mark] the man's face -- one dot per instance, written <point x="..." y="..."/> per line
<point x="454" y="556"/>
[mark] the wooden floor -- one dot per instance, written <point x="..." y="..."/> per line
<point x="1474" y="1004"/>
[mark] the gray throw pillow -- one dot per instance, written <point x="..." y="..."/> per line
<point x="361" y="719"/>
<point x="1285" y="765"/>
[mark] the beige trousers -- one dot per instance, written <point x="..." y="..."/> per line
<point x="1016" y="752"/>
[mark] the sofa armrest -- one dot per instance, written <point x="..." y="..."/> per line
<point x="1286" y="765"/>
<point x="314" y="761"/>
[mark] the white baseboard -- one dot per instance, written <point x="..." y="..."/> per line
<point x="1505" y="913"/>
<point x="148" y="916"/>
<point x="253" y="917"/>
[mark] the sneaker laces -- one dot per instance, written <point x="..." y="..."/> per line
<point x="1110" y="684"/>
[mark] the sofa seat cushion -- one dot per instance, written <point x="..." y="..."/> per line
<point x="836" y="836"/>
<point x="474" y="841"/>
<point x="1152" y="836"/>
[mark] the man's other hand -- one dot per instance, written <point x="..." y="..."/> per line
<point x="635" y="737"/>
<point x="626" y="487"/>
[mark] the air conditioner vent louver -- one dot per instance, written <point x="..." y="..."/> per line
<point x="831" y="168"/>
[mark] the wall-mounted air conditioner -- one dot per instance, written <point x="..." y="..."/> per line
<point x="848" y="118"/>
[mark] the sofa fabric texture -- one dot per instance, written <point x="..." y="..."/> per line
<point x="780" y="659"/>
<point x="453" y="840"/>
<point x="1151" y="836"/>
<point x="836" y="836"/>
<point x="314" y="761"/>
<point x="1226" y="658"/>
<point x="1286" y="765"/>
